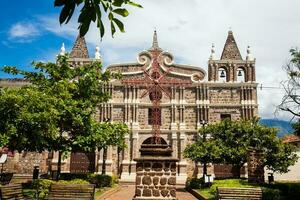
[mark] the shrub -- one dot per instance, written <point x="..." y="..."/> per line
<point x="271" y="194"/>
<point x="74" y="181"/>
<point x="70" y="176"/>
<point x="102" y="180"/>
<point x="194" y="183"/>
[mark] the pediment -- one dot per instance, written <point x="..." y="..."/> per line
<point x="166" y="65"/>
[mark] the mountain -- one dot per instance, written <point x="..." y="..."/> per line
<point x="285" y="127"/>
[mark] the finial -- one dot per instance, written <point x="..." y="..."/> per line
<point x="97" y="53"/>
<point x="155" y="42"/>
<point x="249" y="55"/>
<point x="62" y="50"/>
<point x="230" y="30"/>
<point x="213" y="52"/>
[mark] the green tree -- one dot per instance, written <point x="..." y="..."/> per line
<point x="93" y="11"/>
<point x="102" y="136"/>
<point x="232" y="140"/>
<point x="57" y="108"/>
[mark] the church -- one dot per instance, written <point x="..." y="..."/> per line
<point x="159" y="97"/>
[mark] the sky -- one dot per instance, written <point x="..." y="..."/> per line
<point x="30" y="31"/>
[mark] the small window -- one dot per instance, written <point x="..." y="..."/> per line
<point x="154" y="116"/>
<point x="225" y="116"/>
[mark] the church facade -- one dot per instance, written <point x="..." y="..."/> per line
<point x="189" y="98"/>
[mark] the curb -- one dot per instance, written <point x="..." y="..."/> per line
<point x="109" y="193"/>
<point x="196" y="194"/>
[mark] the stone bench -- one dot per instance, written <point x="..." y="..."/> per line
<point x="11" y="192"/>
<point x="239" y="193"/>
<point x="71" y="192"/>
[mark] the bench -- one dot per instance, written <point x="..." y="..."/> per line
<point x="239" y="193"/>
<point x="5" y="178"/>
<point x="71" y="192"/>
<point x="11" y="192"/>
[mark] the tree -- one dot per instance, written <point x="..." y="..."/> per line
<point x="57" y="108"/>
<point x="92" y="11"/>
<point x="203" y="151"/>
<point x="291" y="99"/>
<point x="232" y="140"/>
<point x="102" y="136"/>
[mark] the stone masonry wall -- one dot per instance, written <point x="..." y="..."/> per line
<point x="156" y="180"/>
<point x="224" y="96"/>
<point x="24" y="163"/>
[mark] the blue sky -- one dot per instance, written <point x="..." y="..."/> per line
<point x="30" y="31"/>
<point x="22" y="43"/>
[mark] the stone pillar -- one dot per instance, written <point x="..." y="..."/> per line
<point x="255" y="166"/>
<point x="182" y="164"/>
<point x="126" y="162"/>
<point x="156" y="173"/>
<point x="174" y="144"/>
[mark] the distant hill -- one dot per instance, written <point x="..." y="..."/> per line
<point x="284" y="126"/>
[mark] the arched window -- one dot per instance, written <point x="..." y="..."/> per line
<point x="240" y="75"/>
<point x="222" y="75"/>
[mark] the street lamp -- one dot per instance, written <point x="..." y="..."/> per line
<point x="204" y="123"/>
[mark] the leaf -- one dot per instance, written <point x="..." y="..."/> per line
<point x="101" y="27"/>
<point x="121" y="11"/>
<point x="119" y="24"/>
<point x="118" y="3"/>
<point x="58" y="3"/>
<point x="134" y="4"/>
<point x="113" y="29"/>
<point x="64" y="14"/>
<point x="83" y="28"/>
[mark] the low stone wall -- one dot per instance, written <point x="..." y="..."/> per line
<point x="24" y="162"/>
<point x="156" y="179"/>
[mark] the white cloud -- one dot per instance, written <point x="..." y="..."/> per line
<point x="51" y="24"/>
<point x="187" y="29"/>
<point x="23" y="32"/>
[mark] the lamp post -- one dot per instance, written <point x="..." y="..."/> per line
<point x="203" y="123"/>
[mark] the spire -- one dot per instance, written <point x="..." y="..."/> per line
<point x="62" y="49"/>
<point x="79" y="49"/>
<point x="213" y="53"/>
<point x="155" y="42"/>
<point x="231" y="50"/>
<point x="97" y="53"/>
<point x="249" y="54"/>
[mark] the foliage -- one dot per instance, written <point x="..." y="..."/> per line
<point x="231" y="140"/>
<point x="93" y="10"/>
<point x="56" y="111"/>
<point x="291" y="100"/>
<point x="102" y="180"/>
<point x="194" y="183"/>
<point x="271" y="194"/>
<point x="44" y="187"/>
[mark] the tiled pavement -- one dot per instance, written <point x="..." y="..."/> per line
<point x="126" y="192"/>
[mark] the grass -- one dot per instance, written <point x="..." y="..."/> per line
<point x="288" y="190"/>
<point x="210" y="192"/>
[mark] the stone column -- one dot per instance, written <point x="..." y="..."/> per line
<point x="255" y="166"/>
<point x="182" y="164"/>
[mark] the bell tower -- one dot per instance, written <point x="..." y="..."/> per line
<point x="231" y="67"/>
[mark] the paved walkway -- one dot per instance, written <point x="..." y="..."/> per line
<point x="126" y="192"/>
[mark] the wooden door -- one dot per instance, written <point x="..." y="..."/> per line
<point x="82" y="162"/>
